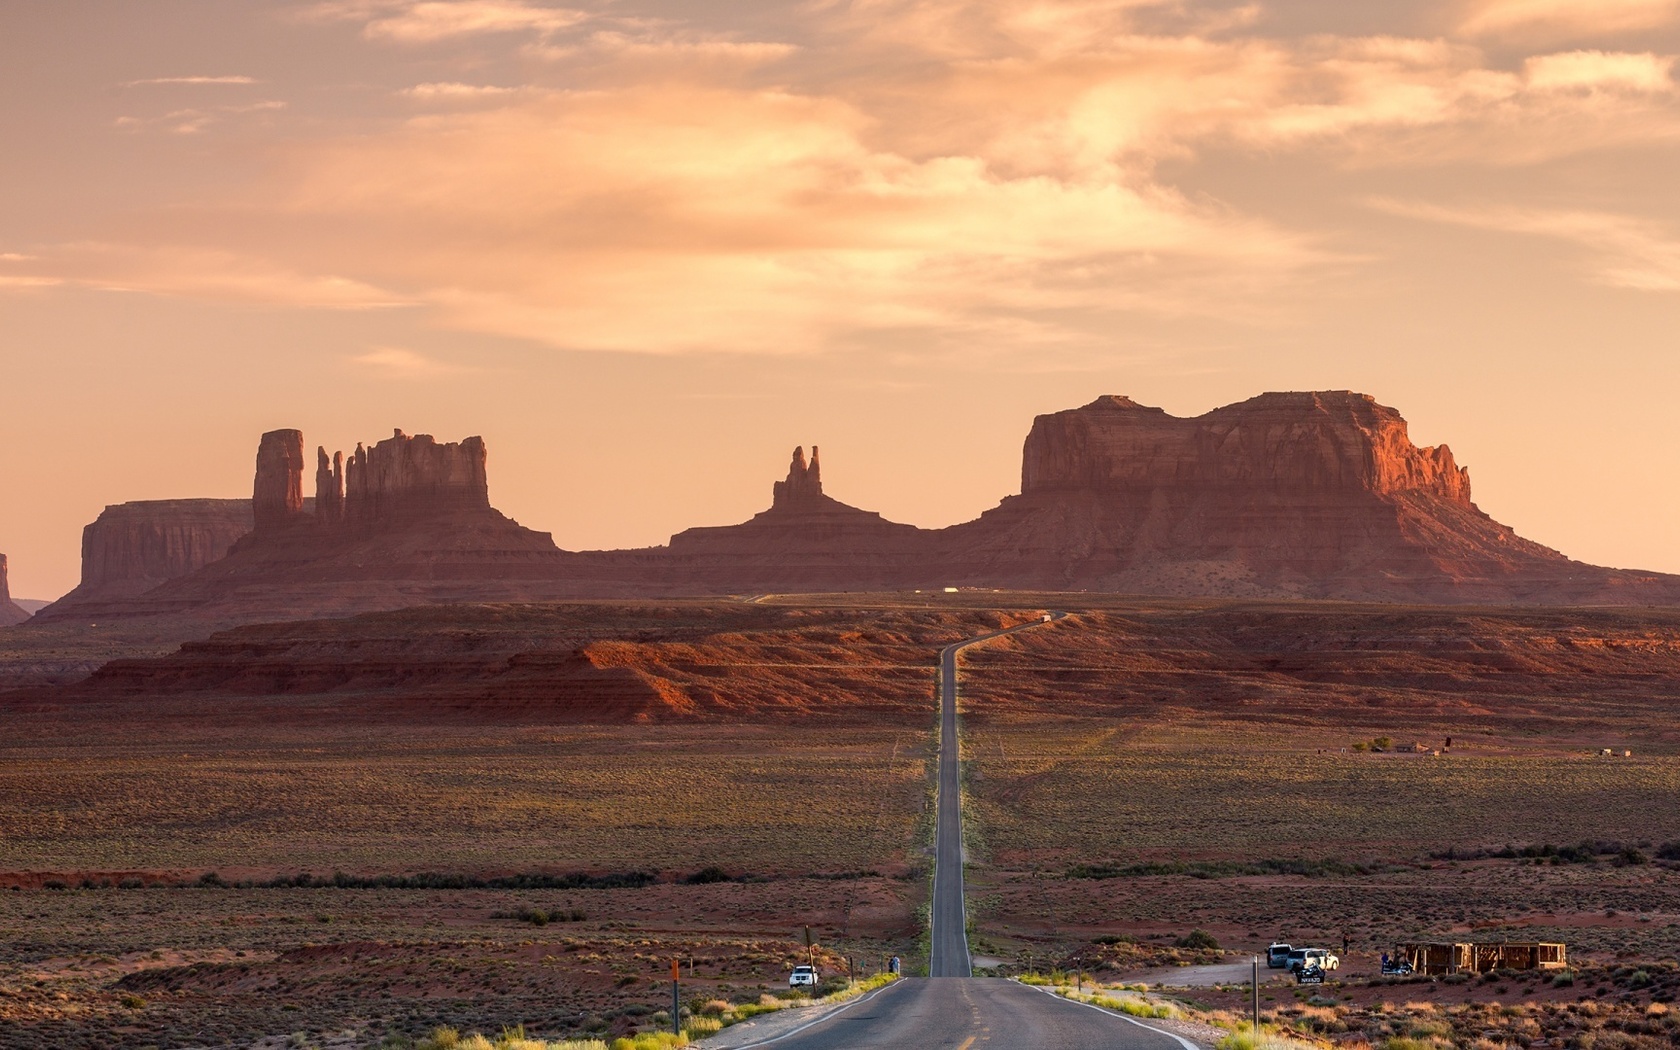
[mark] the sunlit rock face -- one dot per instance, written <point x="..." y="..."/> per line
<point x="1297" y="443"/>
<point x="1284" y="495"/>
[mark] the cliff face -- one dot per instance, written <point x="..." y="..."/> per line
<point x="132" y="547"/>
<point x="10" y="613"/>
<point x="408" y="477"/>
<point x="1288" y="494"/>
<point x="277" y="492"/>
<point x="1295" y="443"/>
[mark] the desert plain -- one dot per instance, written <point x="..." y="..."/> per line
<point x="352" y="832"/>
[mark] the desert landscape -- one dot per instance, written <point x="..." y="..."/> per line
<point x="853" y="525"/>
<point x="491" y="816"/>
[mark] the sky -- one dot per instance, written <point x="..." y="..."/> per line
<point x="645" y="248"/>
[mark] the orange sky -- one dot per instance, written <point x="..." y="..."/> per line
<point x="646" y="248"/>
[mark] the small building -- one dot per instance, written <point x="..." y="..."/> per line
<point x="1444" y="957"/>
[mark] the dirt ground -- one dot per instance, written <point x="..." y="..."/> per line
<point x="1135" y="772"/>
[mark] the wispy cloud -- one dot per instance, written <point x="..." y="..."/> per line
<point x="429" y="21"/>
<point x="1623" y="251"/>
<point x="450" y="90"/>
<point x="1565" y="18"/>
<point x="1599" y="70"/>
<point x="194" y="120"/>
<point x="192" y="80"/>
<point x="401" y="363"/>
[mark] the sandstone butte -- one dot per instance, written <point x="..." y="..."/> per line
<point x="1286" y="495"/>
<point x="10" y="612"/>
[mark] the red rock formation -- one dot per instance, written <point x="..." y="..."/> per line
<point x="133" y="547"/>
<point x="329" y="487"/>
<point x="1319" y="495"/>
<point x="406" y="477"/>
<point x="803" y="484"/>
<point x="1289" y="494"/>
<point x="10" y="613"/>
<point x="277" y="494"/>
<point x="1334" y="441"/>
<point x="805" y="541"/>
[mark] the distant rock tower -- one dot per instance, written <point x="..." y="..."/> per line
<point x="9" y="613"/>
<point x="329" y="487"/>
<point x="277" y="494"/>
<point x="803" y="482"/>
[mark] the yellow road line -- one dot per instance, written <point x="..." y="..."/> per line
<point x="967" y="1043"/>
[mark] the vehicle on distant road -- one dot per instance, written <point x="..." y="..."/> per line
<point x="1303" y="958"/>
<point x="803" y="977"/>
<point x="1277" y="956"/>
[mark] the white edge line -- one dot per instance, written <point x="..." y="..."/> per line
<point x="828" y="1016"/>
<point x="1183" y="1042"/>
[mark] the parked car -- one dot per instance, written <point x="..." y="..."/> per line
<point x="1277" y="955"/>
<point x="803" y="977"/>
<point x="1302" y="958"/>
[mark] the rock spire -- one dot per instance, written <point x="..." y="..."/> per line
<point x="329" y="487"/>
<point x="277" y="494"/>
<point x="9" y="613"/>
<point x="804" y="482"/>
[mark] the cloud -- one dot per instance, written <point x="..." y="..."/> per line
<point x="1566" y="18"/>
<point x="204" y="272"/>
<point x="403" y="364"/>
<point x="192" y="121"/>
<point x="429" y="21"/>
<point x="1624" y="251"/>
<point x="1599" y="70"/>
<point x="451" y="91"/>
<point x="991" y="171"/>
<point x="192" y="80"/>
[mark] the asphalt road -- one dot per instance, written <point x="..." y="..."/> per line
<point x="949" y="936"/>
<point x="979" y="1013"/>
<point x="953" y="1008"/>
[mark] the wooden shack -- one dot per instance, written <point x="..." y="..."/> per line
<point x="1443" y="957"/>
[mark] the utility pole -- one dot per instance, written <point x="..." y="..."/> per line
<point x="1254" y="988"/>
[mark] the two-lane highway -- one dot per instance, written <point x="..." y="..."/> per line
<point x="954" y="1010"/>
<point x="949" y="956"/>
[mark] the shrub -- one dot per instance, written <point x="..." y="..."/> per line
<point x="707" y="875"/>
<point x="1199" y="939"/>
<point x="1564" y="979"/>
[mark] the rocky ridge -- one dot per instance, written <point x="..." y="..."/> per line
<point x="1286" y="495"/>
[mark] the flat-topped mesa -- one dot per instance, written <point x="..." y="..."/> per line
<point x="803" y="484"/>
<point x="1327" y="441"/>
<point x="9" y="613"/>
<point x="277" y="492"/>
<point x="407" y="477"/>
